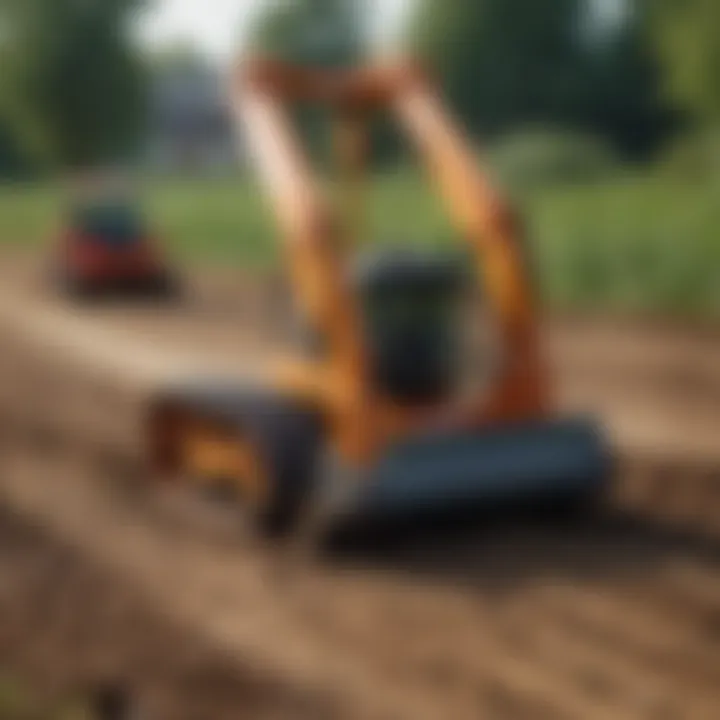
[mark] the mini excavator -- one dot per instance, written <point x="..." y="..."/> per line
<point x="372" y="415"/>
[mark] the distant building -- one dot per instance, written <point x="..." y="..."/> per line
<point x="190" y="125"/>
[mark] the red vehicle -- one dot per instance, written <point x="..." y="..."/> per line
<point x="106" y="251"/>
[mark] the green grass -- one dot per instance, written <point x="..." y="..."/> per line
<point x="640" y="244"/>
<point x="27" y="214"/>
<point x="228" y="221"/>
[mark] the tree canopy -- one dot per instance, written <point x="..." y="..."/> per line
<point x="511" y="63"/>
<point x="320" y="32"/>
<point x="686" y="34"/>
<point x="74" y="86"/>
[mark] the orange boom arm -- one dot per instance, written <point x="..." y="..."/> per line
<point x="314" y="240"/>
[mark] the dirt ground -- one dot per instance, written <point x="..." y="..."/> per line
<point x="617" y="618"/>
<point x="69" y="629"/>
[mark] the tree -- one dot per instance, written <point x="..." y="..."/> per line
<point x="624" y="97"/>
<point x="686" y="36"/>
<point x="75" y="83"/>
<point x="513" y="63"/>
<point x="318" y="32"/>
<point x="13" y="163"/>
<point x="504" y="62"/>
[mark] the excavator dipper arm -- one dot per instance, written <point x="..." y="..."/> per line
<point x="314" y="239"/>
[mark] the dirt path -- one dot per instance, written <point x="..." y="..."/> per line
<point x="68" y="627"/>
<point x="613" y="620"/>
<point x="616" y="619"/>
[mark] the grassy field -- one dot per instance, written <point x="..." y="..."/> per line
<point x="640" y="244"/>
<point x="645" y="245"/>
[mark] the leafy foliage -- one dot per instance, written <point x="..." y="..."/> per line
<point x="686" y="34"/>
<point x="503" y="61"/>
<point x="694" y="157"/>
<point x="510" y="63"/>
<point x="75" y="84"/>
<point x="624" y="96"/>
<point x="316" y="32"/>
<point x="542" y="157"/>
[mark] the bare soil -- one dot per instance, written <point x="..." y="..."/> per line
<point x="617" y="617"/>
<point x="69" y="629"/>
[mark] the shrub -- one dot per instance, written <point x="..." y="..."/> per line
<point x="694" y="157"/>
<point x="543" y="157"/>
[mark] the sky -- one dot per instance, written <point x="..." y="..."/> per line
<point x="217" y="26"/>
